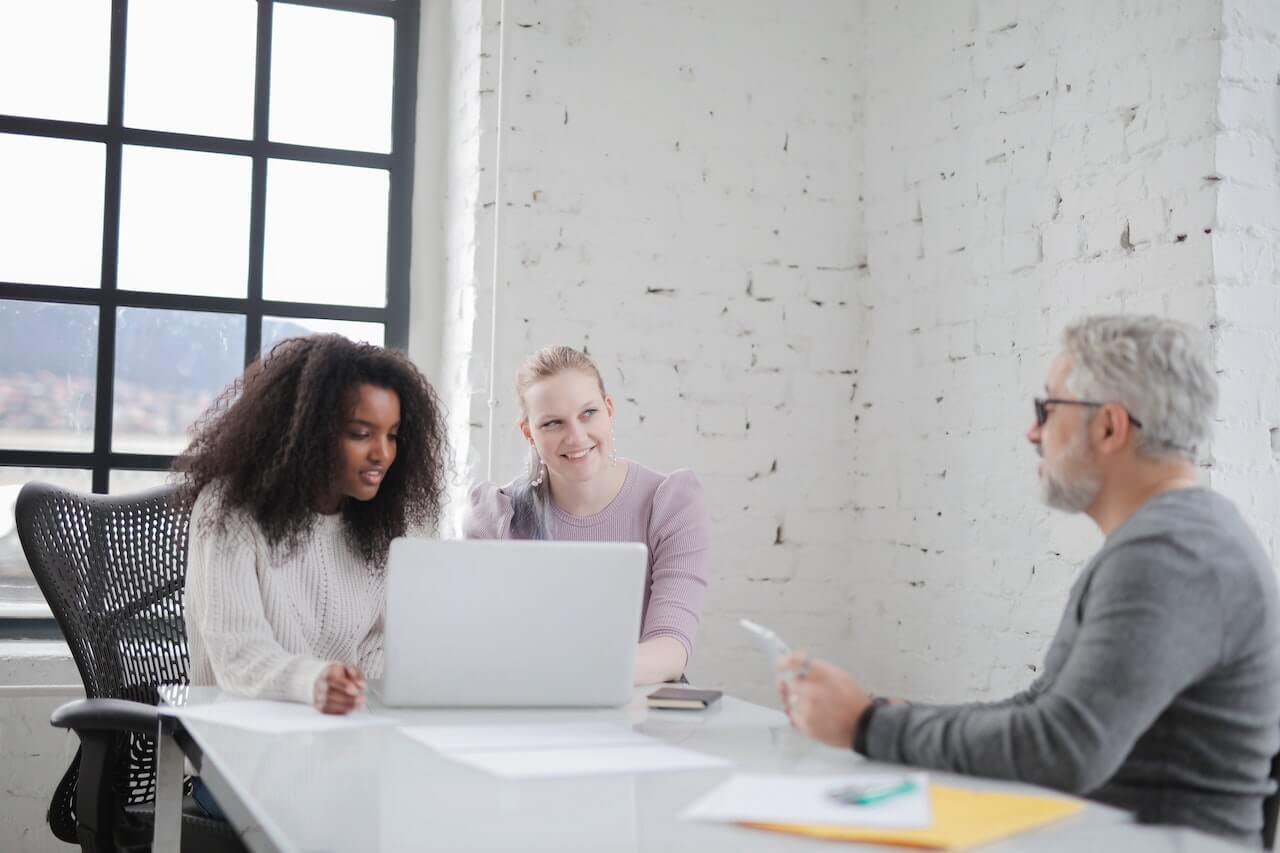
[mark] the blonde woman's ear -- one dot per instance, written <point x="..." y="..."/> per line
<point x="608" y="404"/>
<point x="524" y="430"/>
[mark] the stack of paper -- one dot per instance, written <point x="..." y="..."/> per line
<point x="558" y="749"/>
<point x="749" y="798"/>
<point x="959" y="819"/>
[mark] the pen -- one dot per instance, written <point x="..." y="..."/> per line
<point x="863" y="796"/>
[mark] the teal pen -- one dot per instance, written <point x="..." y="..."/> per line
<point x="866" y="798"/>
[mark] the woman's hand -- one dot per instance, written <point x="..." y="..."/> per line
<point x="339" y="689"/>
<point x="822" y="701"/>
<point x="660" y="659"/>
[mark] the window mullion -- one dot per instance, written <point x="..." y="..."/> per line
<point x="404" y="82"/>
<point x="105" y="383"/>
<point x="258" y="192"/>
<point x="113" y="135"/>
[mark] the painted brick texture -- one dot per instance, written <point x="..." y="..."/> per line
<point x="822" y="253"/>
<point x="1246" y="259"/>
<point x="692" y="218"/>
<point x="1026" y="163"/>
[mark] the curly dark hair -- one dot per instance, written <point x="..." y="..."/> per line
<point x="270" y="440"/>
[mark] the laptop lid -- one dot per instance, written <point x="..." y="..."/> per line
<point x="506" y="623"/>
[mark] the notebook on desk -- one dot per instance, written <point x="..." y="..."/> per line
<point x="510" y="624"/>
<point x="679" y="698"/>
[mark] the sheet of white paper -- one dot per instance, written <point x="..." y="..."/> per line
<point x="535" y="750"/>
<point x="452" y="739"/>
<point x="804" y="799"/>
<point x="274" y="717"/>
<point x="588" y="761"/>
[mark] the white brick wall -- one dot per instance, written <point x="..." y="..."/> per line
<point x="33" y="754"/>
<point x="453" y="241"/>
<point x="1246" y="260"/>
<point x="680" y="196"/>
<point x="823" y="252"/>
<point x="1026" y="163"/>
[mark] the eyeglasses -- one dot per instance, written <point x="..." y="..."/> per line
<point x="1042" y="409"/>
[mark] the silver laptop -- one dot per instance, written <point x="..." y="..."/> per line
<point x="484" y="623"/>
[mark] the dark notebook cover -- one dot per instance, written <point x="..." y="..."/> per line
<point x="683" y="698"/>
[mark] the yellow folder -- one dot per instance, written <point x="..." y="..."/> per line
<point x="961" y="819"/>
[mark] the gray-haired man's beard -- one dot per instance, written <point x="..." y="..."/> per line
<point x="1075" y="483"/>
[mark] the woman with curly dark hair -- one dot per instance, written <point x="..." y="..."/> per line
<point x="299" y="476"/>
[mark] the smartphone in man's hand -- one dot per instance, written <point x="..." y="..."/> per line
<point x="770" y="643"/>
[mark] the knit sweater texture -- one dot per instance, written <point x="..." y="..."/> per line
<point x="264" y="623"/>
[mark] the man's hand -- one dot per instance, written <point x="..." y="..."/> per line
<point x="822" y="701"/>
<point x="339" y="689"/>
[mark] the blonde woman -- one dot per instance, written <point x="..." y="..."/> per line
<point x="577" y="489"/>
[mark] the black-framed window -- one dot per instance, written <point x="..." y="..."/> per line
<point x="181" y="186"/>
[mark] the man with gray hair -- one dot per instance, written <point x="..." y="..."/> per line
<point x="1160" y="692"/>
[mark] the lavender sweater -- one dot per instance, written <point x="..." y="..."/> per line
<point x="665" y="512"/>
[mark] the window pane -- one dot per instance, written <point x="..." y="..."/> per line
<point x="54" y="59"/>
<point x="125" y="481"/>
<point x="276" y="329"/>
<point x="189" y="66"/>
<point x="184" y="222"/>
<point x="326" y="235"/>
<point x="19" y="597"/>
<point x="331" y="78"/>
<point x="51" y="210"/>
<point x="48" y="367"/>
<point x="169" y="367"/>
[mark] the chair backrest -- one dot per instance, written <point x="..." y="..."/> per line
<point x="112" y="569"/>
<point x="1271" y="807"/>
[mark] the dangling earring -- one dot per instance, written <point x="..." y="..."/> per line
<point x="538" y="472"/>
<point x="613" y="447"/>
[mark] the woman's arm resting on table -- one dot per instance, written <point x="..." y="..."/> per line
<point x="660" y="659"/>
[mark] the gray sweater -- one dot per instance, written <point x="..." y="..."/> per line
<point x="1160" y="692"/>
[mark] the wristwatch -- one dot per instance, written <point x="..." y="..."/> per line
<point x="864" y="722"/>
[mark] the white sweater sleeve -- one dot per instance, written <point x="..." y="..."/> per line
<point x="224" y="607"/>
<point x="369" y="653"/>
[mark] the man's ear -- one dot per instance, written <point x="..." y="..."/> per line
<point x="1115" y="425"/>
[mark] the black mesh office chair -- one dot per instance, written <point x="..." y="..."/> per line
<point x="112" y="570"/>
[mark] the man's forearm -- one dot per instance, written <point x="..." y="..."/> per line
<point x="1049" y="743"/>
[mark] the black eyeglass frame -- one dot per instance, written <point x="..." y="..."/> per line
<point x="1042" y="409"/>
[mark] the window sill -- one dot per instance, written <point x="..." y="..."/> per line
<point x="27" y="620"/>
<point x="38" y="665"/>
<point x="24" y="610"/>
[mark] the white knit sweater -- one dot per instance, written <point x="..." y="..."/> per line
<point x="265" y="624"/>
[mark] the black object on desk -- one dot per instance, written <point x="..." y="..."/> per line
<point x="683" y="698"/>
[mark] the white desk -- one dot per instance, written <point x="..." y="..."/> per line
<point x="374" y="789"/>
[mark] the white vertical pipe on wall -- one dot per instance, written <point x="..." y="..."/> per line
<point x="497" y="245"/>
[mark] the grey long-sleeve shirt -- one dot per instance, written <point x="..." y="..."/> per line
<point x="1160" y="692"/>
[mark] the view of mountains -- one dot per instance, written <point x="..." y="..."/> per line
<point x="181" y="351"/>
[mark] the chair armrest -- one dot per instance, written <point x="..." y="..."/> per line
<point x="114" y="715"/>
<point x="104" y="727"/>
